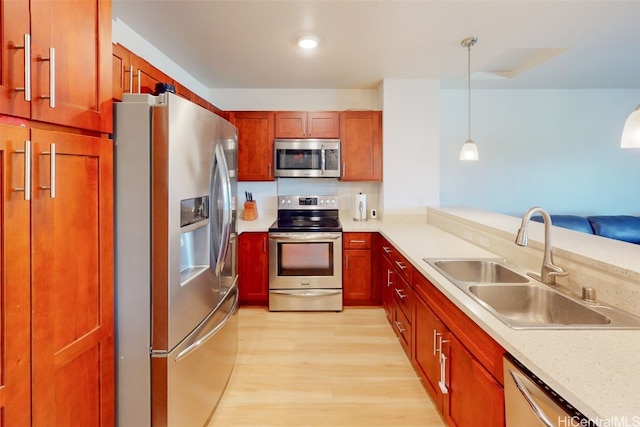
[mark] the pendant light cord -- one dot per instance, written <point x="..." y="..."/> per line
<point x="469" y="87"/>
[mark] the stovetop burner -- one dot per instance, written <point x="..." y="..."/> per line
<point x="307" y="214"/>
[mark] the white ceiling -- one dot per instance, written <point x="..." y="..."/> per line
<point x="521" y="43"/>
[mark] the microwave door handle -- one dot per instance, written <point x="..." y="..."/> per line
<point x="323" y="159"/>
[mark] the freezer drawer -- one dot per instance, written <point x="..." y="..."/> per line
<point x="188" y="382"/>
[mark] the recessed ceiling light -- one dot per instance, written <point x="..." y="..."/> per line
<point x="308" y="42"/>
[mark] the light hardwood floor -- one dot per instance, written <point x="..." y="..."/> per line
<point x="322" y="369"/>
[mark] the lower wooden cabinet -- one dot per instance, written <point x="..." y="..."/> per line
<point x="387" y="276"/>
<point x="57" y="289"/>
<point x="466" y="392"/>
<point x="253" y="268"/>
<point x="358" y="285"/>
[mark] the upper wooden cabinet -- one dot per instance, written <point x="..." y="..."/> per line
<point x="255" y="144"/>
<point x="132" y="74"/>
<point x="56" y="62"/>
<point x="361" y="145"/>
<point x="299" y="124"/>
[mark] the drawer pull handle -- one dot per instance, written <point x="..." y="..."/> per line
<point x="386" y="249"/>
<point x="401" y="265"/>
<point x="52" y="172"/>
<point x="401" y="294"/>
<point x="399" y="327"/>
<point x="52" y="77"/>
<point x="27" y="170"/>
<point x="27" y="68"/>
<point x="357" y="241"/>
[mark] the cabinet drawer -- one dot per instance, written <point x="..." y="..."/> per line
<point x="356" y="240"/>
<point x="387" y="250"/>
<point x="403" y="267"/>
<point x="402" y="328"/>
<point x="403" y="296"/>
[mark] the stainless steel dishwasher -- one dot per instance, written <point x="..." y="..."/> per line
<point x="529" y="402"/>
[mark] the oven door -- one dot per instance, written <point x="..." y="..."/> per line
<point x="304" y="260"/>
<point x="307" y="158"/>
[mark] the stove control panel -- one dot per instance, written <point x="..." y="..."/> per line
<point x="308" y="202"/>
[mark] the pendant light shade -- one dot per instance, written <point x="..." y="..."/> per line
<point x="469" y="151"/>
<point x="631" y="131"/>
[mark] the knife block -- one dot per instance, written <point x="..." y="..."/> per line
<point x="250" y="211"/>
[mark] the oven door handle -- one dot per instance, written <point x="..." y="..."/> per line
<point x="307" y="293"/>
<point x="305" y="237"/>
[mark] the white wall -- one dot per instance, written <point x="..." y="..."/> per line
<point x="411" y="121"/>
<point x="559" y="149"/>
<point x="555" y="148"/>
<point x="123" y="34"/>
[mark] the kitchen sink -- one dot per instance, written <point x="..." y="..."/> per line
<point x="513" y="296"/>
<point x="479" y="271"/>
<point x="533" y="304"/>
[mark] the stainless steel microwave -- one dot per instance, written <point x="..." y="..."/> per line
<point x="316" y="158"/>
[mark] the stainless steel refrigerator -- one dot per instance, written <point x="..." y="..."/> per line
<point x="176" y="277"/>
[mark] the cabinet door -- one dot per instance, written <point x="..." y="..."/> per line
<point x="15" y="337"/>
<point x="323" y="124"/>
<point x="475" y="398"/>
<point x="122" y="70"/>
<point x="253" y="268"/>
<point x="14" y="25"/>
<point x="255" y="144"/>
<point x="146" y="76"/>
<point x="356" y="276"/>
<point x="361" y="145"/>
<point x="290" y="124"/>
<point x="428" y="330"/>
<point x="72" y="280"/>
<point x="71" y="63"/>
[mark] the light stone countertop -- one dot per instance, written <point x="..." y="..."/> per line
<point x="597" y="371"/>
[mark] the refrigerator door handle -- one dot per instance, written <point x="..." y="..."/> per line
<point x="221" y="196"/>
<point x="193" y="347"/>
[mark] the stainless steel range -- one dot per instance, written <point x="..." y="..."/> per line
<point x="305" y="255"/>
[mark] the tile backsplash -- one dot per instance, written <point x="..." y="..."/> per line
<point x="265" y="193"/>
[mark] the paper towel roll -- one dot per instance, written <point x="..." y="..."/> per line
<point x="360" y="207"/>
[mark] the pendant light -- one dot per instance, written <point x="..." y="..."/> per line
<point x="469" y="151"/>
<point x="631" y="131"/>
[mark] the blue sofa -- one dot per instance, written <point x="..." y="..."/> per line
<point x="619" y="227"/>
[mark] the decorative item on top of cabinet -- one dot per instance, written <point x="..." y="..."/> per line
<point x="460" y="363"/>
<point x="299" y="124"/>
<point x="53" y="75"/>
<point x="358" y="287"/>
<point x="361" y="145"/>
<point x="253" y="268"/>
<point x="255" y="144"/>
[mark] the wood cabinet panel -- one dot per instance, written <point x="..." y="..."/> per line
<point x="253" y="268"/>
<point x="255" y="144"/>
<point x="356" y="276"/>
<point x="300" y="124"/>
<point x="14" y="25"/>
<point x="475" y="397"/>
<point x="72" y="281"/>
<point x="122" y="72"/>
<point x="361" y="145"/>
<point x="15" y="313"/>
<point x="80" y="34"/>
<point x="359" y="286"/>
<point x="427" y="329"/>
<point x="74" y="40"/>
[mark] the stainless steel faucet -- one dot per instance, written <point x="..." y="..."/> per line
<point x="549" y="270"/>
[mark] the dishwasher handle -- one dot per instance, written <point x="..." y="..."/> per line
<point x="522" y="387"/>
